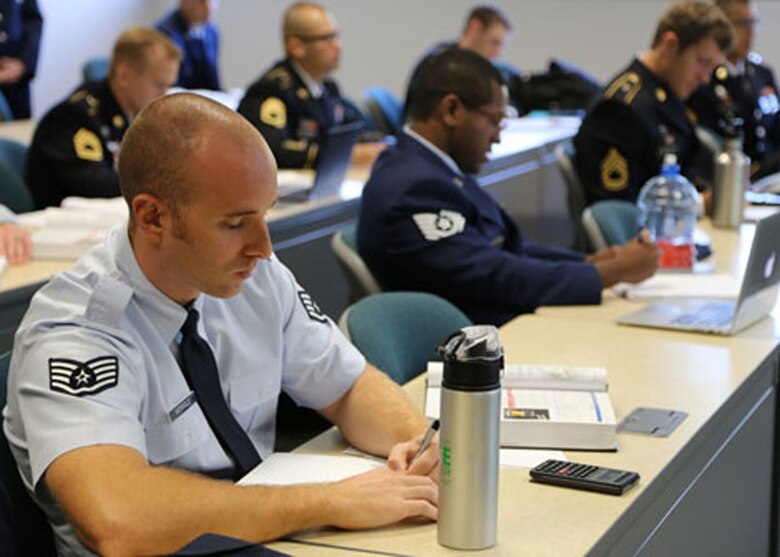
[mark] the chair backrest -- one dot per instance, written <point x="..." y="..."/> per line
<point x="14" y="193"/>
<point x="359" y="277"/>
<point x="610" y="223"/>
<point x="32" y="530"/>
<point x="5" y="109"/>
<point x="398" y="332"/>
<point x="13" y="154"/>
<point x="384" y="108"/>
<point x="565" y="153"/>
<point x="95" y="69"/>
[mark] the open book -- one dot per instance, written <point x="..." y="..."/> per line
<point x="547" y="407"/>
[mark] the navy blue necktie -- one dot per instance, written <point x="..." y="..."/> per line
<point x="200" y="370"/>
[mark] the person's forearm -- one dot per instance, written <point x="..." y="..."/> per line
<point x="135" y="509"/>
<point x="376" y="414"/>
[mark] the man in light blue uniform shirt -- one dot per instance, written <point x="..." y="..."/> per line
<point x="110" y="438"/>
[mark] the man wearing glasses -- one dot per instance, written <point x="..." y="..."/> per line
<point x="745" y="88"/>
<point x="425" y="224"/>
<point x="294" y="102"/>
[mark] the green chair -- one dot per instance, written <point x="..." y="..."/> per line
<point x="14" y="193"/>
<point x="610" y="223"/>
<point x="359" y="277"/>
<point x="33" y="533"/>
<point x="13" y="154"/>
<point x="398" y="332"/>
<point x="95" y="69"/>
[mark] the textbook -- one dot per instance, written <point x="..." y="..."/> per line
<point x="547" y="407"/>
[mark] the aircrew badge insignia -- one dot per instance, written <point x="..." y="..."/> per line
<point x="312" y="309"/>
<point x="273" y="113"/>
<point x="87" y="145"/>
<point x="614" y="171"/>
<point x="436" y="226"/>
<point x="83" y="378"/>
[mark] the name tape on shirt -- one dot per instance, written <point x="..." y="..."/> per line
<point x="83" y="378"/>
<point x="436" y="226"/>
<point x="312" y="309"/>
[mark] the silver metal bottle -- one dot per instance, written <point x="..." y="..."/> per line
<point x="732" y="173"/>
<point x="469" y="438"/>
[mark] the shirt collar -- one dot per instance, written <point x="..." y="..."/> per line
<point x="735" y="69"/>
<point x="446" y="159"/>
<point x="314" y="87"/>
<point x="168" y="316"/>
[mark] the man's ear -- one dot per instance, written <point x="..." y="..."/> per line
<point x="295" y="47"/>
<point x="670" y="43"/>
<point x="451" y="110"/>
<point x="151" y="216"/>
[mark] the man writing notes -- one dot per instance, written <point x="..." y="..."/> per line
<point x="425" y="223"/>
<point x="149" y="373"/>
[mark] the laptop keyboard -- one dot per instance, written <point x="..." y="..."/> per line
<point x="714" y="315"/>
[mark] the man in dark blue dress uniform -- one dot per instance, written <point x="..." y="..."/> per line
<point x="190" y="27"/>
<point x="425" y="224"/>
<point x="294" y="102"/>
<point x="744" y="87"/>
<point x="642" y="110"/>
<point x="74" y="147"/>
<point x="20" y="37"/>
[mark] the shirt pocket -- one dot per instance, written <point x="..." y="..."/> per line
<point x="249" y="400"/>
<point x="170" y="441"/>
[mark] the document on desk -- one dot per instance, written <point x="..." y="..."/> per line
<point x="299" y="468"/>
<point x="547" y="407"/>
<point x="675" y="285"/>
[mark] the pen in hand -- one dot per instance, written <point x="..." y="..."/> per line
<point x="426" y="440"/>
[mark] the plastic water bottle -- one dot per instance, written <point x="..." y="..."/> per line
<point x="669" y="205"/>
<point x="469" y="438"/>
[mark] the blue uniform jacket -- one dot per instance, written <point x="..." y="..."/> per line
<point x="424" y="227"/>
<point x="20" y="37"/>
<point x="198" y="68"/>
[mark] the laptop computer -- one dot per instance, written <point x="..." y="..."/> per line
<point x="757" y="295"/>
<point x="335" y="152"/>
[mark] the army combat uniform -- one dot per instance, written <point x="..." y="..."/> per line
<point x="74" y="147"/>
<point x="292" y="117"/>
<point x="620" y="141"/>
<point x="750" y="94"/>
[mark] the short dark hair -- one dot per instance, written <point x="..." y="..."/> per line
<point x="694" y="21"/>
<point x="454" y="71"/>
<point x="488" y="15"/>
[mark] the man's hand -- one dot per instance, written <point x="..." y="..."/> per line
<point x="15" y="243"/>
<point x="381" y="497"/>
<point x="11" y="70"/>
<point x="401" y="458"/>
<point x="364" y="154"/>
<point x="633" y="262"/>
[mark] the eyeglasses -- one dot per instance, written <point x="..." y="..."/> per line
<point x="325" y="37"/>
<point x="497" y="119"/>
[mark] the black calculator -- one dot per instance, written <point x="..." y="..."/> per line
<point x="584" y="476"/>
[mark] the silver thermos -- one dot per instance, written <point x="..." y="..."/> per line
<point x="469" y="438"/>
<point x="732" y="172"/>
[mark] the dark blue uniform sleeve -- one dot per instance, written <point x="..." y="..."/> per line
<point x="31" y="36"/>
<point x="489" y="282"/>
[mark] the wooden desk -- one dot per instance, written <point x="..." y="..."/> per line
<point x="705" y="490"/>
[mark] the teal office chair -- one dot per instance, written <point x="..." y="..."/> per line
<point x="33" y="533"/>
<point x="5" y="110"/>
<point x="610" y="223"/>
<point x="384" y="108"/>
<point x="398" y="332"/>
<point x="95" y="69"/>
<point x="13" y="154"/>
<point x="359" y="277"/>
<point x="14" y="193"/>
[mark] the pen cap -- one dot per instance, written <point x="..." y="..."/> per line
<point x="473" y="359"/>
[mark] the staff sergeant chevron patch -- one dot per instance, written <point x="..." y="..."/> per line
<point x="83" y="378"/>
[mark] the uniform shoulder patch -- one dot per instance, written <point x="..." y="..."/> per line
<point x="83" y="378"/>
<point x="437" y="226"/>
<point x="310" y="306"/>
<point x="273" y="112"/>
<point x="87" y="145"/>
<point x="624" y="88"/>
<point x="281" y="76"/>
<point x="614" y="171"/>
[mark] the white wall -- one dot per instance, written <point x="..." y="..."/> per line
<point x="381" y="38"/>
